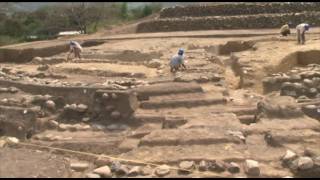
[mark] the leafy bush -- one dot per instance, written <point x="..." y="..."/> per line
<point x="146" y="10"/>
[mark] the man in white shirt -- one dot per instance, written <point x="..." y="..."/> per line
<point x="301" y="29"/>
<point x="75" y="48"/>
<point x="177" y="61"/>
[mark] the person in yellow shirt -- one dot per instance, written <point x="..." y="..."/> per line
<point x="285" y="30"/>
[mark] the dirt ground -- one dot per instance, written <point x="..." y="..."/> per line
<point x="208" y="112"/>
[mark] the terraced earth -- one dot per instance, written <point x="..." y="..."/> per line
<point x="246" y="106"/>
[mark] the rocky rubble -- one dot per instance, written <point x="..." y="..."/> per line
<point x="301" y="83"/>
<point x="298" y="82"/>
<point x="124" y="84"/>
<point x="301" y="164"/>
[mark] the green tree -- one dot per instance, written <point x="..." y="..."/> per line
<point x="146" y="11"/>
<point x="124" y="10"/>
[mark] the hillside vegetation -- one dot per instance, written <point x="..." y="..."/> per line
<point x="47" y="21"/>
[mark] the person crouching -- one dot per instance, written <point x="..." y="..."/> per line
<point x="75" y="48"/>
<point x="177" y="61"/>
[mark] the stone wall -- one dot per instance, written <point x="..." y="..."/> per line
<point x="19" y="55"/>
<point x="228" y="22"/>
<point x="237" y="9"/>
<point x="16" y="121"/>
<point x="126" y="103"/>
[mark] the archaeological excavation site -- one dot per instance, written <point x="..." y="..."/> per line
<point x="247" y="105"/>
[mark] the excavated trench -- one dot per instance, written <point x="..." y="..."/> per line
<point x="23" y="55"/>
<point x="230" y="47"/>
<point x="299" y="58"/>
<point x="124" y="56"/>
<point x="298" y="76"/>
<point x="118" y="107"/>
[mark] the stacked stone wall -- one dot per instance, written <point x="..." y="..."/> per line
<point x="238" y="9"/>
<point x="258" y="21"/>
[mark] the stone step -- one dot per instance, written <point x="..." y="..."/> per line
<point x="180" y="96"/>
<point x="175" y="137"/>
<point x="156" y="115"/>
<point x="175" y="154"/>
<point x="167" y="88"/>
<point x="182" y="103"/>
<point x="85" y="141"/>
<point x="247" y="119"/>
<point x="295" y="136"/>
<point x="148" y="118"/>
<point x="144" y="130"/>
<point x="244" y="111"/>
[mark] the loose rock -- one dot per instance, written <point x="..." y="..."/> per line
<point x="105" y="96"/>
<point x="2" y="143"/>
<point x="294" y="165"/>
<point x="82" y="108"/>
<point x="50" y="105"/>
<point x="102" y="161"/>
<point x="289" y="156"/>
<point x="233" y="167"/>
<point x="53" y="124"/>
<point x="103" y="171"/>
<point x="147" y="170"/>
<point x="115" y="115"/>
<point x="43" y="67"/>
<point x="85" y="119"/>
<point x="186" y="165"/>
<point x="63" y="127"/>
<point x="252" y="168"/>
<point x="37" y="59"/>
<point x="218" y="166"/>
<point x="317" y="161"/>
<point x="162" y="170"/>
<point x="122" y="171"/>
<point x="13" y="89"/>
<point x="310" y="152"/>
<point x="135" y="171"/>
<point x="12" y="140"/>
<point x="115" y="166"/>
<point x="203" y="166"/>
<point x="114" y="96"/>
<point x="79" y="166"/>
<point x="305" y="163"/>
<point x="92" y="175"/>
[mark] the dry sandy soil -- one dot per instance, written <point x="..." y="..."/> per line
<point x="206" y="113"/>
